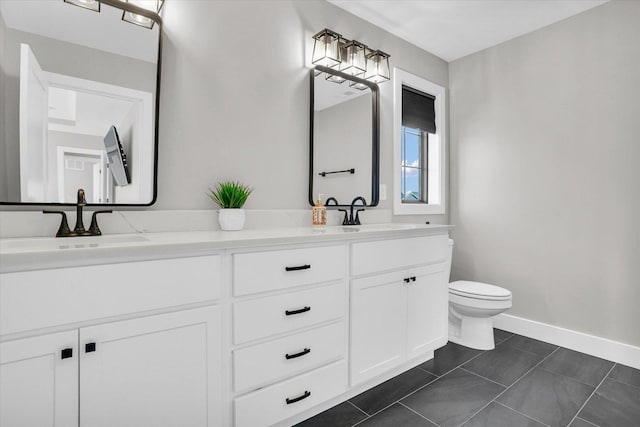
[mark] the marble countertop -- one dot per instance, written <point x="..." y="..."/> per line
<point x="23" y="254"/>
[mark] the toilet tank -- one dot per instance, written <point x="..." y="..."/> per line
<point x="449" y="257"/>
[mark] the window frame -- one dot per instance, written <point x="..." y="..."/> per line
<point x="400" y="78"/>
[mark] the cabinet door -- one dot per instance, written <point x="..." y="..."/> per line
<point x="427" y="310"/>
<point x="152" y="372"/>
<point x="378" y="324"/>
<point x="38" y="387"/>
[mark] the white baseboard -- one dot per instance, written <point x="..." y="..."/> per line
<point x="615" y="351"/>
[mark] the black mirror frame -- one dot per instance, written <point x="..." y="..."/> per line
<point x="128" y="7"/>
<point x="375" y="134"/>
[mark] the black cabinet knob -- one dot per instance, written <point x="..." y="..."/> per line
<point x="89" y="347"/>
<point x="407" y="279"/>
<point x="66" y="353"/>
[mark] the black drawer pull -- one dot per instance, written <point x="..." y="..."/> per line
<point x="66" y="353"/>
<point x="298" y="311"/>
<point x="89" y="347"/>
<point x="407" y="279"/>
<point x="302" y="353"/>
<point x="413" y="279"/>
<point x="306" y="394"/>
<point x="299" y="267"/>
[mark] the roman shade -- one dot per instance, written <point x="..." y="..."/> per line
<point x="418" y="110"/>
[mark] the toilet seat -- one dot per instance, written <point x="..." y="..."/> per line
<point x="479" y="290"/>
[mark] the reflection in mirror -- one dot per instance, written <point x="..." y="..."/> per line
<point x="78" y="104"/>
<point x="344" y="139"/>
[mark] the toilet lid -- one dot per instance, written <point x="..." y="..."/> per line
<point x="478" y="290"/>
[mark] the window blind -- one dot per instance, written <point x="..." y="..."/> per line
<point x="418" y="110"/>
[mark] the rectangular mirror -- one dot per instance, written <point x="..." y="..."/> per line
<point x="79" y="102"/>
<point x="344" y="138"/>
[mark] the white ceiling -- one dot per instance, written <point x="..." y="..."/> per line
<point x="104" y="31"/>
<point x="452" y="29"/>
<point x="327" y="93"/>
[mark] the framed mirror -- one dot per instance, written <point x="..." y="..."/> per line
<point x="79" y="108"/>
<point x="344" y="138"/>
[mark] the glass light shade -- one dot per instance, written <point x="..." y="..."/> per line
<point x="334" y="78"/>
<point x="359" y="86"/>
<point x="377" y="67"/>
<point x="354" y="60"/>
<point x="326" y="48"/>
<point x="86" y="4"/>
<point x="143" y="21"/>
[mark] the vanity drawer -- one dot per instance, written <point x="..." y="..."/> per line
<point x="274" y="360"/>
<point x="45" y="298"/>
<point x="267" y="271"/>
<point x="382" y="255"/>
<point x="268" y="316"/>
<point x="269" y="405"/>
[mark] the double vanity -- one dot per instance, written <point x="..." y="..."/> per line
<point x="246" y="329"/>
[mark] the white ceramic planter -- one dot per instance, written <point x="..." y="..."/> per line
<point x="231" y="219"/>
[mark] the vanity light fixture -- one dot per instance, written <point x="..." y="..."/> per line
<point x="326" y="48"/>
<point x="86" y="4"/>
<point x="134" y="18"/>
<point x="377" y="67"/>
<point x="350" y="57"/>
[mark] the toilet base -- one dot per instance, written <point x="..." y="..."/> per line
<point x="473" y="332"/>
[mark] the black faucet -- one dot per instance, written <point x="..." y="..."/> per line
<point x="64" y="231"/>
<point x="349" y="219"/>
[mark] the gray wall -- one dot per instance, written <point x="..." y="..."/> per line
<point x="3" y="156"/>
<point x="342" y="140"/>
<point x="545" y="182"/>
<point x="235" y="97"/>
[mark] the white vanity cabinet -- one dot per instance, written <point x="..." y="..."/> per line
<point x="399" y="315"/>
<point x="291" y="332"/>
<point x="154" y="371"/>
<point x="210" y="330"/>
<point x="39" y="381"/>
<point x="150" y="370"/>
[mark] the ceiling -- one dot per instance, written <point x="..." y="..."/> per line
<point x="104" y="31"/>
<point x="452" y="29"/>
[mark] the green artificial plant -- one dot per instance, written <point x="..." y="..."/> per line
<point x="230" y="194"/>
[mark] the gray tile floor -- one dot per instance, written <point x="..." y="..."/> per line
<point x="521" y="383"/>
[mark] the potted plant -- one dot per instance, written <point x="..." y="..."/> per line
<point x="231" y="197"/>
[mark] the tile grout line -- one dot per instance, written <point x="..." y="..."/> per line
<point x="588" y="422"/>
<point x="518" y="412"/>
<point x="393" y="403"/>
<point x="591" y="395"/>
<point x="484" y="378"/>
<point x="358" y="408"/>
<point x="620" y="381"/>
<point x="418" y="414"/>
<point x="507" y="389"/>
<point x="571" y="378"/>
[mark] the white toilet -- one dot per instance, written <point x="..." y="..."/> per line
<point x="472" y="306"/>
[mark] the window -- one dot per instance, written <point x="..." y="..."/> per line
<point x="414" y="185"/>
<point x="419" y="135"/>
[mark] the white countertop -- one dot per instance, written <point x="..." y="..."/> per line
<point x="22" y="254"/>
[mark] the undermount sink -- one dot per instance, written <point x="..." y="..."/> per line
<point x="49" y="243"/>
